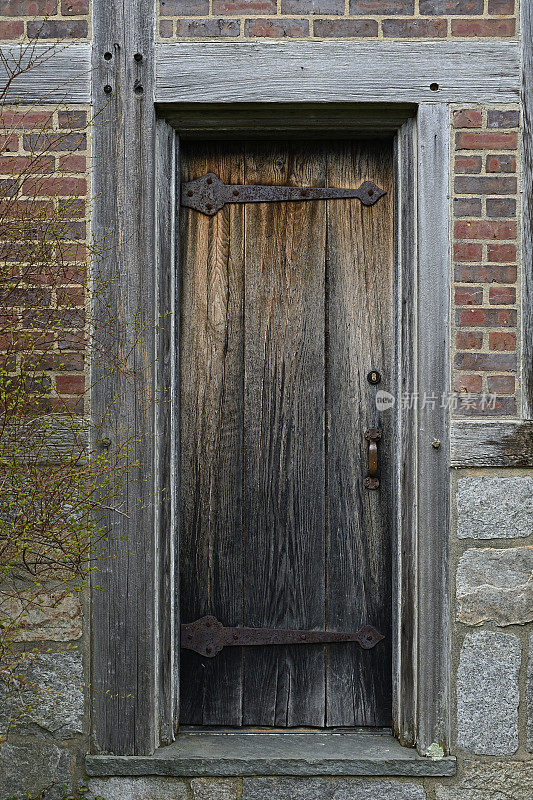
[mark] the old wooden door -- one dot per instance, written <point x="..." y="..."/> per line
<point x="285" y="309"/>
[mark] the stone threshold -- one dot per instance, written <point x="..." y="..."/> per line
<point x="238" y="753"/>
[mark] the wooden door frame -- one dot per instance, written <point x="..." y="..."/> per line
<point x="421" y="649"/>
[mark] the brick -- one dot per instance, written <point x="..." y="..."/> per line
<point x="484" y="229"/>
<point x="277" y="28"/>
<point x="466" y="251"/>
<point x="486" y="140"/>
<point x="468" y="295"/>
<point x="501" y="384"/>
<point x="485" y="274"/>
<point x="467" y="118"/>
<point x="485" y="405"/>
<point x="27" y="8"/>
<point x="74" y="8"/>
<point x="245" y="7"/>
<point x="488" y="317"/>
<point x="24" y="165"/>
<point x="11" y="29"/>
<point x="480" y="184"/>
<point x="445" y="7"/>
<point x="469" y="340"/>
<point x="468" y="383"/>
<point x="339" y="28"/>
<point x="502" y="295"/>
<point x="485" y="362"/>
<point x="53" y="186"/>
<point x="466" y="165"/>
<point x="415" y="28"/>
<point x="501" y="7"/>
<point x="469" y="28"/>
<point x="54" y="141"/>
<point x="70" y="384"/>
<point x="497" y="207"/>
<point x="58" y="29"/>
<point x="217" y="28"/>
<point x="72" y="163"/>
<point x="166" y="28"/>
<point x="501" y="253"/>
<point x="502" y="340"/>
<point x="72" y="120"/>
<point x="312" y="7"/>
<point x="501" y="163"/>
<point x="9" y="143"/>
<point x="26" y="119"/>
<point x="381" y="7"/>
<point x="185" y="8"/>
<point x="503" y="119"/>
<point x="466" y="207"/>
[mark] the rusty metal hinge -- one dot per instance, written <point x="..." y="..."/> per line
<point x="209" y="194"/>
<point x="208" y="636"/>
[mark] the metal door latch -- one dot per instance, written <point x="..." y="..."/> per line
<point x="208" y="636"/>
<point x="209" y="194"/>
<point x="372" y="435"/>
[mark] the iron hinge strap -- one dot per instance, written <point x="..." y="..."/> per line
<point x="208" y="636"/>
<point x="209" y="193"/>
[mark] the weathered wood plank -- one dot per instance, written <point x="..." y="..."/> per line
<point x="491" y="444"/>
<point x="527" y="208"/>
<point x="125" y="653"/>
<point x="406" y="429"/>
<point x="57" y="73"/>
<point x="284" y="437"/>
<point x="360" y="279"/>
<point x="433" y="381"/>
<point x="166" y="416"/>
<point x="337" y="71"/>
<point x="211" y="422"/>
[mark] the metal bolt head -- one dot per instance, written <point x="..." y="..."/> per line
<point x="435" y="444"/>
<point x="106" y="443"/>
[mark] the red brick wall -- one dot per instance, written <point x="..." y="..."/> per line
<point x="486" y="259"/>
<point x="46" y="19"/>
<point x="323" y="19"/>
<point x="50" y="151"/>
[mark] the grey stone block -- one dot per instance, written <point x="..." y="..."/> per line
<point x="495" y="585"/>
<point x="215" y="788"/>
<point x="137" y="789"/>
<point x="494" y="508"/>
<point x="329" y="789"/>
<point x="50" y="698"/>
<point x="38" y="769"/>
<point x="53" y="614"/>
<point x="487" y="693"/>
<point x="529" y="731"/>
<point x="494" y="780"/>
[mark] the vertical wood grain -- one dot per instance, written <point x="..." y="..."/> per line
<point x="284" y="437"/>
<point x="433" y="367"/>
<point x="166" y="416"/>
<point x="360" y="277"/>
<point x="405" y="455"/>
<point x="211" y="410"/>
<point x="527" y="208"/>
<point x="124" y="618"/>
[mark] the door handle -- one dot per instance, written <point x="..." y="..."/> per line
<point x="372" y="435"/>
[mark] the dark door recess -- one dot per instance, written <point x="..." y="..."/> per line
<point x="286" y="496"/>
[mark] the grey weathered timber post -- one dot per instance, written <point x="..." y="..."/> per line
<point x="124" y="612"/>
